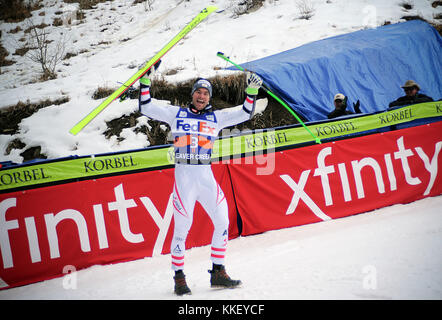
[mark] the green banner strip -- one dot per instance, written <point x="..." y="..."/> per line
<point x="227" y="148"/>
<point x="259" y="141"/>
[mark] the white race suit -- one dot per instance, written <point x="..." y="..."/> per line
<point x="194" y="134"/>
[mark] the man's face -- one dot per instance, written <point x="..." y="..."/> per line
<point x="200" y="98"/>
<point x="411" y="92"/>
<point x="339" y="104"/>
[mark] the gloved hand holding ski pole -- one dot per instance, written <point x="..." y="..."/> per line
<point x="146" y="79"/>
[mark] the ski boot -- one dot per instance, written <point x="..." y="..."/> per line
<point x="181" y="287"/>
<point x="220" y="279"/>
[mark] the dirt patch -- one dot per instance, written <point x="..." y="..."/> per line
<point x="11" y="116"/>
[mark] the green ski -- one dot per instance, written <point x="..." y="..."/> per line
<point x="126" y="85"/>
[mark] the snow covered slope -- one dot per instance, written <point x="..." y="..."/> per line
<point x="116" y="37"/>
<point x="390" y="253"/>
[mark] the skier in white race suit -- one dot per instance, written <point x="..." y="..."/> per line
<point x="194" y="130"/>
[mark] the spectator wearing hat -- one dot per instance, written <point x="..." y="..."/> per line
<point x="412" y="96"/>
<point x="340" y="102"/>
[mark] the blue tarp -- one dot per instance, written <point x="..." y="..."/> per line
<point x="369" y="65"/>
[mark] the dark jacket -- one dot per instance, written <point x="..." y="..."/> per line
<point x="406" y="100"/>
<point x="344" y="112"/>
<point x="338" y="113"/>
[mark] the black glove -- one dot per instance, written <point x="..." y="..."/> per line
<point x="356" y="106"/>
<point x="154" y="68"/>
<point x="344" y="102"/>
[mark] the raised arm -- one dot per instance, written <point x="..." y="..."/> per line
<point x="229" y="117"/>
<point x="150" y="109"/>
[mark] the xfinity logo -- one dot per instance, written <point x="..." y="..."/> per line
<point x="200" y="126"/>
<point x="385" y="173"/>
<point x="122" y="206"/>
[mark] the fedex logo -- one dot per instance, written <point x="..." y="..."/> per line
<point x="200" y="126"/>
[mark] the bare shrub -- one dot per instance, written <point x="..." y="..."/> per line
<point x="47" y="53"/>
<point x="306" y="9"/>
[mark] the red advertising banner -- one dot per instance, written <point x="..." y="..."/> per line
<point x="337" y="179"/>
<point x="112" y="219"/>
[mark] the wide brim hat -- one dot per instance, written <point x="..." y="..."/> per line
<point x="410" y="84"/>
